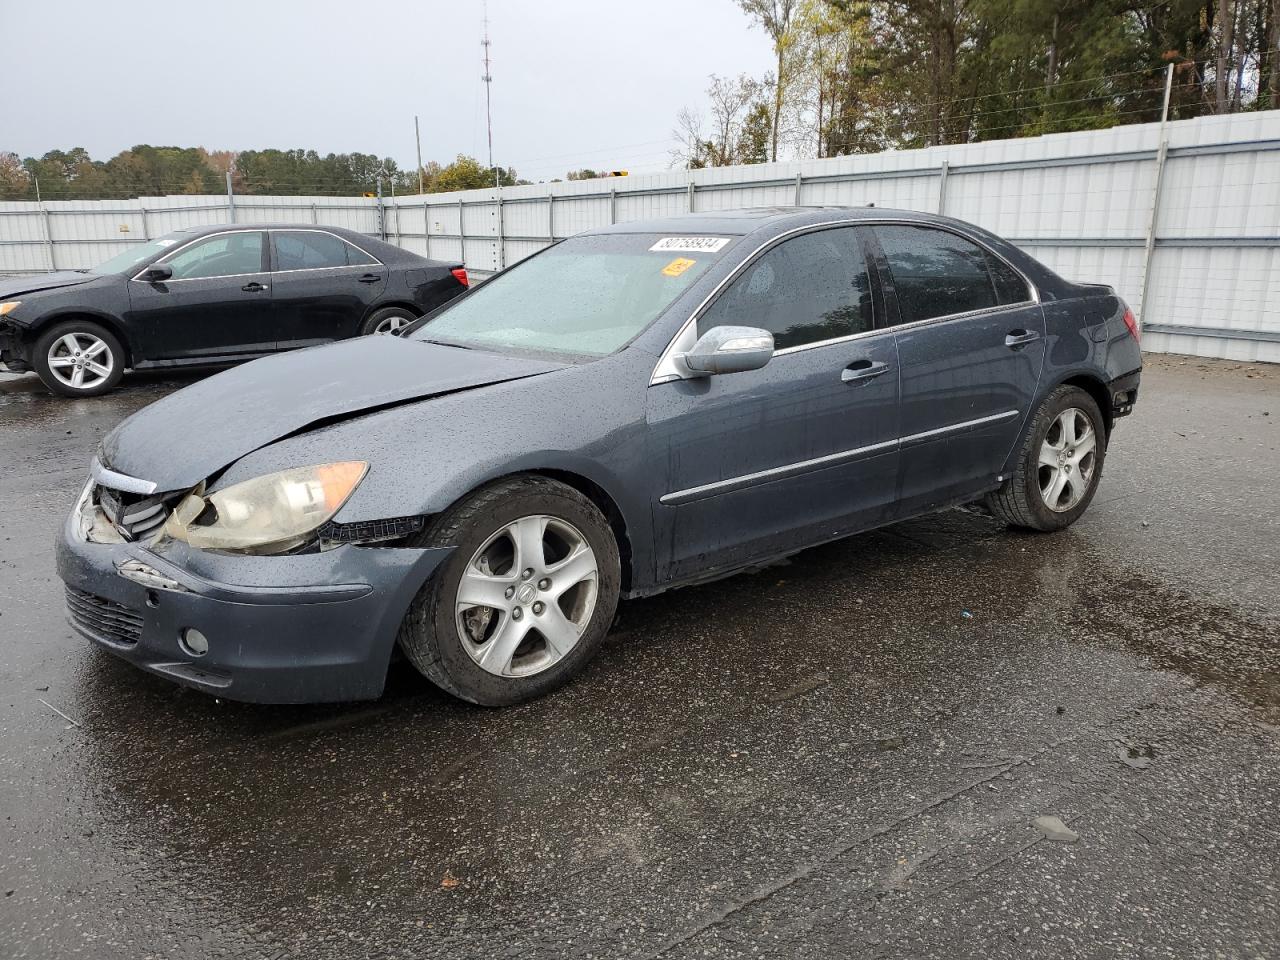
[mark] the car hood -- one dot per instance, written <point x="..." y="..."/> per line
<point x="12" y="287"/>
<point x="190" y="435"/>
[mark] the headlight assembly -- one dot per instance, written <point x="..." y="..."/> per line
<point x="269" y="514"/>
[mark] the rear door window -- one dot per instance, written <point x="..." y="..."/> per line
<point x="314" y="250"/>
<point x="937" y="273"/>
<point x="808" y="289"/>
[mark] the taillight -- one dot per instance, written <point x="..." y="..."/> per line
<point x="1131" y="322"/>
<point x="460" y="274"/>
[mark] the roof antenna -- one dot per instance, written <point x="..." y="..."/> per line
<point x="488" y="82"/>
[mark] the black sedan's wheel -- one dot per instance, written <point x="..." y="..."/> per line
<point x="77" y="358"/>
<point x="525" y="599"/>
<point x="1059" y="464"/>
<point x="387" y="320"/>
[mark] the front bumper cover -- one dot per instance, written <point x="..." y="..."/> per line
<point x="296" y="629"/>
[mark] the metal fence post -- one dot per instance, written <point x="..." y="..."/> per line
<point x="315" y="215"/>
<point x="502" y="240"/>
<point x="231" y="200"/>
<point x="48" y="236"/>
<point x="426" y="228"/>
<point x="691" y="189"/>
<point x="613" y="205"/>
<point x="942" y="187"/>
<point x="799" y="186"/>
<point x="382" y="222"/>
<point x="462" y="235"/>
<point x="551" y="216"/>
<point x="1149" y="249"/>
<point x="146" y="230"/>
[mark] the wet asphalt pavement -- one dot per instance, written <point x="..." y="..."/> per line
<point x="826" y="758"/>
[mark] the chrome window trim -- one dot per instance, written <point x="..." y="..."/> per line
<point x="119" y="481"/>
<point x="745" y="480"/>
<point x="258" y="273"/>
<point x="669" y="367"/>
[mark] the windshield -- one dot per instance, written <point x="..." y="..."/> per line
<point x="143" y="252"/>
<point x="588" y="295"/>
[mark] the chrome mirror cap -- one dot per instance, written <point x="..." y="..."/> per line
<point x="730" y="350"/>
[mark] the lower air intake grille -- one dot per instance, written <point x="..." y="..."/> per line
<point x="103" y="618"/>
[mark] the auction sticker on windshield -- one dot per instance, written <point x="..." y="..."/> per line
<point x="690" y="244"/>
<point x="678" y="266"/>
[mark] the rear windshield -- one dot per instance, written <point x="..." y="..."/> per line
<point x="588" y="295"/>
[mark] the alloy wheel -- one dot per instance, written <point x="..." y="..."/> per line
<point x="526" y="596"/>
<point x="392" y="324"/>
<point x="80" y="360"/>
<point x="1068" y="458"/>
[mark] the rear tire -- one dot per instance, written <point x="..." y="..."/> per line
<point x="1059" y="464"/>
<point x="541" y="627"/>
<point x="78" y="358"/>
<point x="387" y="320"/>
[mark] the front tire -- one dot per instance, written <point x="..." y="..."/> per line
<point x="387" y="320"/>
<point x="1059" y="464"/>
<point x="525" y="599"/>
<point x="78" y="358"/>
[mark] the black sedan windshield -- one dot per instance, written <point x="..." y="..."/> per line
<point x="588" y="295"/>
<point x="123" y="262"/>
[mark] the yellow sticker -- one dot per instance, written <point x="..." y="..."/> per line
<point x="677" y="266"/>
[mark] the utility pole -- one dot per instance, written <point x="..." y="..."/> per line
<point x="488" y="105"/>
<point x="417" y="136"/>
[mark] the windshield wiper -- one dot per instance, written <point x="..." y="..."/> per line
<point x="445" y="343"/>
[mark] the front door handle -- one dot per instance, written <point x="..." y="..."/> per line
<point x="1020" y="338"/>
<point x="370" y="278"/>
<point x="861" y="371"/>
<point x="255" y="287"/>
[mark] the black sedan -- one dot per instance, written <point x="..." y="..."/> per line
<point x="211" y="296"/>
<point x="637" y="408"/>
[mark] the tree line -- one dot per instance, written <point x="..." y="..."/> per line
<point x="848" y="76"/>
<point x="859" y="76"/>
<point x="147" y="171"/>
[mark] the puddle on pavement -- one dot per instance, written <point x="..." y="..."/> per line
<point x="1212" y="644"/>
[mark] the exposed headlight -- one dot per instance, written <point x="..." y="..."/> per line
<point x="9" y="306"/>
<point x="269" y="514"/>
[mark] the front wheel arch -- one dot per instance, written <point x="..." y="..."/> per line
<point x="105" y="320"/>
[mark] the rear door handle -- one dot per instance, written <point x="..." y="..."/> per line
<point x="860" y="371"/>
<point x="1019" y="338"/>
<point x="255" y="287"/>
<point x="370" y="278"/>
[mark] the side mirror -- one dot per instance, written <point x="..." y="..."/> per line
<point x="730" y="350"/>
<point x="156" y="274"/>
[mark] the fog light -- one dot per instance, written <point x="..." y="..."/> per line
<point x="193" y="642"/>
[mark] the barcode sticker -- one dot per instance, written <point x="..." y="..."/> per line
<point x="689" y="244"/>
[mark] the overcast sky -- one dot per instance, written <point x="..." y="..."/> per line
<point x="575" y="83"/>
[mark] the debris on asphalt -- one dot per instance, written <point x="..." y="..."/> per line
<point x="1137" y="757"/>
<point x="74" y="723"/>
<point x="1054" y="829"/>
<point x="966" y="614"/>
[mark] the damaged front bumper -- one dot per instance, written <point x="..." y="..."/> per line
<point x="13" y="355"/>
<point x="290" y="629"/>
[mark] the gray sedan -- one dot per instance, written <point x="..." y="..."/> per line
<point x="637" y="408"/>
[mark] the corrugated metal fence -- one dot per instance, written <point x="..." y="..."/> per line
<point x="1188" y="214"/>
